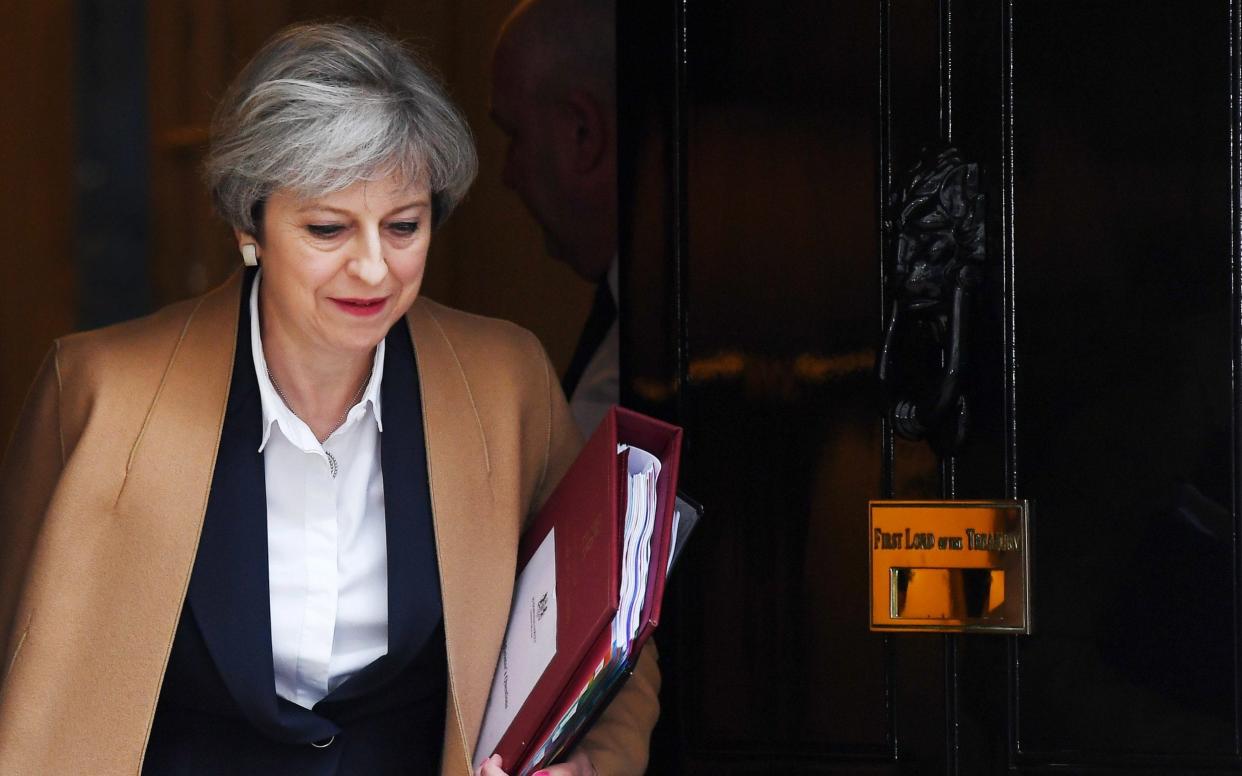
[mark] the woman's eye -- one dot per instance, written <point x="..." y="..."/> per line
<point x="404" y="228"/>
<point x="324" y="230"/>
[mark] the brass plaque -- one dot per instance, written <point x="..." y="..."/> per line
<point x="955" y="566"/>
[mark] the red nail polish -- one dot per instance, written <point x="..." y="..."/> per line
<point x="541" y="773"/>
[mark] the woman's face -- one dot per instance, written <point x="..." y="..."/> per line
<point x="340" y="269"/>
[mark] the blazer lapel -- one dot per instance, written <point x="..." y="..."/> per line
<point x="414" y="606"/>
<point x="229" y="592"/>
<point x="476" y="564"/>
<point x="164" y="495"/>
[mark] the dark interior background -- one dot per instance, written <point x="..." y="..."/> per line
<point x="762" y="143"/>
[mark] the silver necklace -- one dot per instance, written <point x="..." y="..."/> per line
<point x="358" y="395"/>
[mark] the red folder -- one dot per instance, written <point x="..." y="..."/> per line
<point x="588" y="511"/>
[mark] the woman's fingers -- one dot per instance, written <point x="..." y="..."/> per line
<point x="577" y="765"/>
<point x="492" y="766"/>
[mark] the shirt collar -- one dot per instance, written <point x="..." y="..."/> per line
<point x="275" y="411"/>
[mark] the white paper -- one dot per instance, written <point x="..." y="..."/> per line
<point x="529" y="646"/>
<point x="640" y="518"/>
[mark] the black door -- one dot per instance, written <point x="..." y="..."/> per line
<point x="761" y="144"/>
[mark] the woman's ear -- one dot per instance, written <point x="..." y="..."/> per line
<point x="249" y="247"/>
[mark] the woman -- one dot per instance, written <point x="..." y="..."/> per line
<point x="273" y="529"/>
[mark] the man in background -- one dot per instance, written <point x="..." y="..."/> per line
<point x="554" y="97"/>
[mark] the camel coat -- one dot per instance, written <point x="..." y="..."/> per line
<point x="103" y="490"/>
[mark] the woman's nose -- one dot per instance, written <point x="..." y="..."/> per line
<point x="370" y="266"/>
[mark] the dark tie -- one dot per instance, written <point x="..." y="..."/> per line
<point x="603" y="313"/>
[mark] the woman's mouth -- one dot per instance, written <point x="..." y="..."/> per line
<point x="360" y="307"/>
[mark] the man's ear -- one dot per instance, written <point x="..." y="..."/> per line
<point x="589" y="131"/>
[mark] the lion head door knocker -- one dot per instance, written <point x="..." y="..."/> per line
<point x="937" y="223"/>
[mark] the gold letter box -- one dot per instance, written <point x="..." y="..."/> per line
<point x="956" y="566"/>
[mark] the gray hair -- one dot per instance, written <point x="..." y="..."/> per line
<point x="322" y="106"/>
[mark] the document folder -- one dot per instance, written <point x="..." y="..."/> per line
<point x="583" y="520"/>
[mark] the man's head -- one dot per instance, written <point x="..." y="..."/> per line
<point x="554" y="96"/>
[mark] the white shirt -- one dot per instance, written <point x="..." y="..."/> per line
<point x="327" y="549"/>
<point x="600" y="385"/>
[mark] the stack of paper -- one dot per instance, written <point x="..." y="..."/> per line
<point x="640" y="519"/>
<point x="592" y="565"/>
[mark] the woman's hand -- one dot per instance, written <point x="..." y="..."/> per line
<point x="577" y="765"/>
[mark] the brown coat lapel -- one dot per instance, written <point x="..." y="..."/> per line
<point x="109" y="568"/>
<point x="461" y="492"/>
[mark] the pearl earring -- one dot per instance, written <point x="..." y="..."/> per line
<point x="250" y="255"/>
